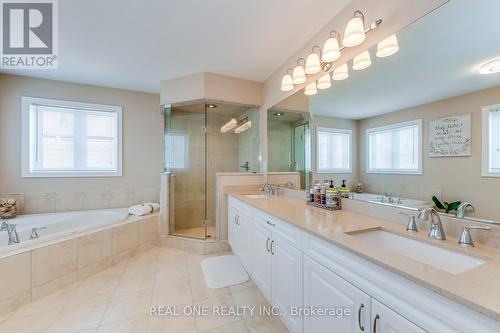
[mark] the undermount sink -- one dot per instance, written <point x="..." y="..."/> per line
<point x="257" y="196"/>
<point x="447" y="260"/>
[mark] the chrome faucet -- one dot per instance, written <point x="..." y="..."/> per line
<point x="245" y="166"/>
<point x="465" y="237"/>
<point x="462" y="209"/>
<point x="411" y="224"/>
<point x="436" y="230"/>
<point x="268" y="189"/>
<point x="389" y="197"/>
<point x="289" y="184"/>
<point x="34" y="232"/>
<point x="13" y="236"/>
<point x="4" y="225"/>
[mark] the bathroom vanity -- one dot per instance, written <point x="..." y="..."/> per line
<point x="303" y="258"/>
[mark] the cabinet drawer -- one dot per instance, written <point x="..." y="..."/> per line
<point x="289" y="233"/>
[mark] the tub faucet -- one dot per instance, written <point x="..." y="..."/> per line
<point x="13" y="236"/>
<point x="4" y="225"/>
<point x="436" y="230"/>
<point x="34" y="232"/>
<point x="268" y="189"/>
<point x="462" y="209"/>
<point x="245" y="166"/>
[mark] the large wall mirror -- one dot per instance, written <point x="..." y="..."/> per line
<point x="420" y="127"/>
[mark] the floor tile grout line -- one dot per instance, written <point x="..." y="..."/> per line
<point x="114" y="289"/>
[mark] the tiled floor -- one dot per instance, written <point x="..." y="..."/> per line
<point x="119" y="300"/>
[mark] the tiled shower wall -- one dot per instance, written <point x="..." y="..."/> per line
<point x="62" y="201"/>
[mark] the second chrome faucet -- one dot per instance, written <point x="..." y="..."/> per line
<point x="436" y="230"/>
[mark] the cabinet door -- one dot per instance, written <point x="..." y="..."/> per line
<point x="231" y="227"/>
<point x="244" y="232"/>
<point x="326" y="290"/>
<point x="286" y="283"/>
<point x="387" y="321"/>
<point x="261" y="259"/>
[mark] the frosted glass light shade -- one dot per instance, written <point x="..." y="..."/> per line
<point x="299" y="76"/>
<point x="341" y="73"/>
<point x="324" y="82"/>
<point x="361" y="61"/>
<point x="388" y="46"/>
<point x="490" y="67"/>
<point x="331" y="50"/>
<point x="312" y="64"/>
<point x="311" y="89"/>
<point x="287" y="83"/>
<point x="354" y="32"/>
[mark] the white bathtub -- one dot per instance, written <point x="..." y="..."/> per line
<point x="58" y="225"/>
<point x="405" y="202"/>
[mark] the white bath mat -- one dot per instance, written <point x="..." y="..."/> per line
<point x="223" y="271"/>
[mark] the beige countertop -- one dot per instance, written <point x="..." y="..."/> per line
<point x="477" y="288"/>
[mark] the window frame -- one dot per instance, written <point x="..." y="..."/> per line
<point x="485" y="144"/>
<point x="27" y="148"/>
<point x="417" y="172"/>
<point x="350" y="149"/>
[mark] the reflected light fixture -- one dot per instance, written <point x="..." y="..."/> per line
<point x="299" y="76"/>
<point x="311" y="89"/>
<point x="331" y="48"/>
<point x="355" y="30"/>
<point x="229" y="126"/>
<point x="491" y="67"/>
<point x="313" y="64"/>
<point x="324" y="82"/>
<point x="361" y="61"/>
<point x="211" y="106"/>
<point x="341" y="73"/>
<point x="243" y="127"/>
<point x="287" y="81"/>
<point x="387" y="47"/>
<point x="278" y="114"/>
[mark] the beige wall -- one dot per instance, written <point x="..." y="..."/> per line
<point x="142" y="135"/>
<point x="453" y="178"/>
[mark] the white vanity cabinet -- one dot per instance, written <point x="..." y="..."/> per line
<point x="295" y="268"/>
<point x="324" y="289"/>
<point x="387" y="321"/>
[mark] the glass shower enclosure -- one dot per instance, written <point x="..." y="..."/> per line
<point x="197" y="147"/>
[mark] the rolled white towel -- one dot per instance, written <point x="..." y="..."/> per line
<point x="144" y="209"/>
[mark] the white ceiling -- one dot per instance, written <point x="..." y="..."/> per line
<point x="439" y="57"/>
<point x="136" y="44"/>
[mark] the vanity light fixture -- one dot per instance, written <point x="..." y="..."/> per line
<point x="229" y="126"/>
<point x="299" y="76"/>
<point x="340" y="73"/>
<point x="313" y="63"/>
<point x="387" y="47"/>
<point x="355" y="30"/>
<point x="331" y="48"/>
<point x="324" y="82"/>
<point x="490" y="67"/>
<point x="243" y="127"/>
<point x="287" y="81"/>
<point x="311" y="89"/>
<point x="361" y="61"/>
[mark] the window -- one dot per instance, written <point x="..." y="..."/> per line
<point x="491" y="141"/>
<point x="334" y="150"/>
<point x="176" y="154"/>
<point x="70" y="139"/>
<point x="396" y="148"/>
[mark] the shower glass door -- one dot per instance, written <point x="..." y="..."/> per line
<point x="185" y="161"/>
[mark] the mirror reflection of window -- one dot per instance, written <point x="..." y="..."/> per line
<point x="395" y="148"/>
<point x="177" y="155"/>
<point x="334" y="150"/>
<point x="491" y="141"/>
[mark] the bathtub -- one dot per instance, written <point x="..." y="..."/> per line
<point x="404" y="202"/>
<point x="53" y="226"/>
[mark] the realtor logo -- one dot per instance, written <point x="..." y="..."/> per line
<point x="29" y="34"/>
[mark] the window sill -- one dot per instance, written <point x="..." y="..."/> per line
<point x="410" y="173"/>
<point x="335" y="171"/>
<point x="38" y="174"/>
